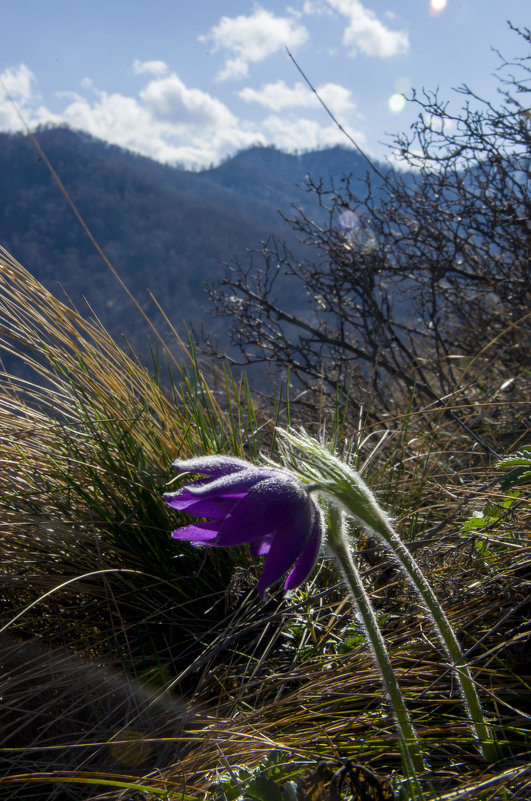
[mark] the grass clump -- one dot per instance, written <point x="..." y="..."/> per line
<point x="129" y="660"/>
<point x="93" y="589"/>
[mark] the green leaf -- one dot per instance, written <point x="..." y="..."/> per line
<point x="521" y="474"/>
<point x="477" y="521"/>
<point x="522" y="458"/>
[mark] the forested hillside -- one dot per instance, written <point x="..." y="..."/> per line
<point x="164" y="229"/>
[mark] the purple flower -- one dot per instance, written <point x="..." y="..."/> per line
<point x="266" y="507"/>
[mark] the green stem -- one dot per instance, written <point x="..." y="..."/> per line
<point x="487" y="743"/>
<point x="337" y="542"/>
<point x="328" y="475"/>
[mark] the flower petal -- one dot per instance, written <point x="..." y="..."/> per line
<point x="264" y="506"/>
<point x="215" y="508"/>
<point x="306" y="561"/>
<point x="211" y="465"/>
<point x="286" y="547"/>
<point x="270" y="504"/>
<point x="262" y="546"/>
<point x="198" y="533"/>
<point x="238" y="483"/>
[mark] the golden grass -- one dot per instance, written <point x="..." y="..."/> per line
<point x="86" y="439"/>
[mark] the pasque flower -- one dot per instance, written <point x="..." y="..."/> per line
<point x="268" y="508"/>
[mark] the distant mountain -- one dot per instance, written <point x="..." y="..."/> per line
<point x="275" y="176"/>
<point x="164" y="229"/>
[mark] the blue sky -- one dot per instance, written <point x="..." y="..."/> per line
<point x="194" y="81"/>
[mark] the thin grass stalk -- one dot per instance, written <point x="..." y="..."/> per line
<point x="119" y="783"/>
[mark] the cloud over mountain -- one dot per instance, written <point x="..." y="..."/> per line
<point x="175" y="123"/>
<point x="279" y="95"/>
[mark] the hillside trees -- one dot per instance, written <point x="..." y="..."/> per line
<point x="408" y="273"/>
<point x="164" y="229"/>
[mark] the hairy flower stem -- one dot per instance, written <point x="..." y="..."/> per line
<point x="381" y="527"/>
<point x="338" y="544"/>
<point x="334" y="479"/>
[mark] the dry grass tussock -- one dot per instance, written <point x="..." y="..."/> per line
<point x="326" y="704"/>
<point x="107" y="623"/>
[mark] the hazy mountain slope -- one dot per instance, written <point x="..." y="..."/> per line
<point x="164" y="229"/>
<point x="275" y="176"/>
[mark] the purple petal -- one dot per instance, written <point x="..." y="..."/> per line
<point x="261" y="547"/>
<point x="198" y="533"/>
<point x="306" y="561"/>
<point x="229" y="485"/>
<point x="269" y="505"/>
<point x="211" y="465"/>
<point x="215" y="508"/>
<point x="285" y="549"/>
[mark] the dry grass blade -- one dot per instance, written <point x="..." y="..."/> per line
<point x="91" y="579"/>
<point x="97" y="609"/>
<point x="328" y="706"/>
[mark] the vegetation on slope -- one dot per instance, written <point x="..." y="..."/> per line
<point x="136" y="667"/>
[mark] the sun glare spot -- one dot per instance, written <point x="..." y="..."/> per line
<point x="436" y="6"/>
<point x="348" y="220"/>
<point x="397" y="102"/>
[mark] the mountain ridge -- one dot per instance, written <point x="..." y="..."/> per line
<point x="166" y="230"/>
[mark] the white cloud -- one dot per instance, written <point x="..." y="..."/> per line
<point x="277" y="96"/>
<point x="364" y="33"/>
<point x="300" y="134"/>
<point x="150" y="67"/>
<point x="247" y="40"/>
<point x="170" y="100"/>
<point x="336" y="97"/>
<point x="171" y="122"/>
<point x="88" y="83"/>
<point x="167" y="121"/>
<point x="316" y="7"/>
<point x="18" y="81"/>
<point x="17" y="92"/>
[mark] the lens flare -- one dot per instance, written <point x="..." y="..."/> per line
<point x="436" y="6"/>
<point x="348" y="220"/>
<point x="397" y="102"/>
